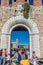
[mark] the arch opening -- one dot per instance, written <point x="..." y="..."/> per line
<point x="20" y="39"/>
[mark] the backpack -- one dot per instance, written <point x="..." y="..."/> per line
<point x="19" y="57"/>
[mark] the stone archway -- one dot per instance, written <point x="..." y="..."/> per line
<point x="29" y="24"/>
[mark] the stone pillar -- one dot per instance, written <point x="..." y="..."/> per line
<point x="36" y="46"/>
<point x="37" y="2"/>
<point x="5" y="42"/>
<point x="8" y="45"/>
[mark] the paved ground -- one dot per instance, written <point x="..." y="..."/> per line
<point x="32" y="63"/>
<point x="37" y="62"/>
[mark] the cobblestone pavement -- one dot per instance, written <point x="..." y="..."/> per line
<point x="37" y="62"/>
<point x="31" y="63"/>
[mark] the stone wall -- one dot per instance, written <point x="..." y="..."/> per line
<point x="37" y="16"/>
<point x="5" y="14"/>
<point x="36" y="13"/>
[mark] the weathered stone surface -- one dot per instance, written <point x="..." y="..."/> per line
<point x="36" y="13"/>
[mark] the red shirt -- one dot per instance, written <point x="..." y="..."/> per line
<point x="4" y="53"/>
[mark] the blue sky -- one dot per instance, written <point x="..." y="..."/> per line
<point x="22" y="36"/>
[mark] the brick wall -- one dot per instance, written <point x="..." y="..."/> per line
<point x="6" y="2"/>
<point x="37" y="2"/>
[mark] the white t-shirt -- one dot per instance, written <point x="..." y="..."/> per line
<point x="16" y="55"/>
<point x="28" y="54"/>
<point x="8" y="57"/>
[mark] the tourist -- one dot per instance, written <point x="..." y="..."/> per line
<point x="20" y="51"/>
<point x="8" y="58"/>
<point x="23" y="55"/>
<point x="28" y="53"/>
<point x="4" y="54"/>
<point x="0" y="57"/>
<point x="16" y="57"/>
<point x="19" y="56"/>
<point x="25" y="61"/>
<point x="13" y="52"/>
<point x="34" y="58"/>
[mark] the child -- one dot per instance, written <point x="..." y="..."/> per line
<point x="34" y="57"/>
<point x="8" y="58"/>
